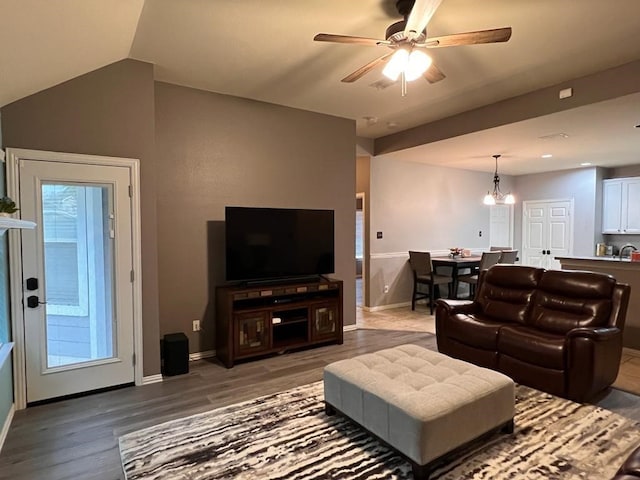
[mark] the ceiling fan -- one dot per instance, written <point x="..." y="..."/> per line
<point x="408" y="39"/>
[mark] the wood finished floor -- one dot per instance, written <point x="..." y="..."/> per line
<point x="77" y="439"/>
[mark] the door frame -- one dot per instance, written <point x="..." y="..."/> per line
<point x="365" y="250"/>
<point x="14" y="155"/>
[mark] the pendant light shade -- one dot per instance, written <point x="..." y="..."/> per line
<point x="495" y="197"/>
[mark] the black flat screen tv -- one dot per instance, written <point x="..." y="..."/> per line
<point x="278" y="243"/>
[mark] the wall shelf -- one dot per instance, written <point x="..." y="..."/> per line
<point x="8" y="222"/>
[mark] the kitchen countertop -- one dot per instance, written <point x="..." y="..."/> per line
<point x="608" y="258"/>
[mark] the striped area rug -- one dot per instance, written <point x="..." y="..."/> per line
<point x="288" y="436"/>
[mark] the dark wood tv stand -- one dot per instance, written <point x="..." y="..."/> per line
<point x="253" y="321"/>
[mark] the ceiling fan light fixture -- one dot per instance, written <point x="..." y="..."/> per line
<point x="418" y="63"/>
<point x="396" y="64"/>
<point x="413" y="63"/>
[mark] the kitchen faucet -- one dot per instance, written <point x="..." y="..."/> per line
<point x="628" y="245"/>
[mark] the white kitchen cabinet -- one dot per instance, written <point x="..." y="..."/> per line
<point x="621" y="205"/>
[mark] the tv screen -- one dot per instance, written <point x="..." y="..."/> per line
<point x="272" y="243"/>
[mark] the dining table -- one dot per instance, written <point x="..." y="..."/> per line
<point x="456" y="263"/>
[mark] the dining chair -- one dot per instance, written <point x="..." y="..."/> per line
<point x="424" y="275"/>
<point x="508" y="256"/>
<point x="487" y="260"/>
<point x="495" y="249"/>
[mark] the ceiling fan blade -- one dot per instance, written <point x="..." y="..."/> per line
<point x="433" y="74"/>
<point x="352" y="77"/>
<point x="420" y="15"/>
<point x="469" y="38"/>
<point x="329" y="37"/>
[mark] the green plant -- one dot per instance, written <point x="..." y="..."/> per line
<point x="7" y="205"/>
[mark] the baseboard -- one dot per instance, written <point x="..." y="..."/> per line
<point x="385" y="307"/>
<point x="157" y="378"/>
<point x="7" y="424"/>
<point x="349" y="328"/>
<point x="201" y="355"/>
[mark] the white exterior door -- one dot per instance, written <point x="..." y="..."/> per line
<point x="547" y="232"/>
<point x="77" y="267"/>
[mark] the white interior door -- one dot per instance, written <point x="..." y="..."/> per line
<point x="77" y="267"/>
<point x="501" y="225"/>
<point x="547" y="232"/>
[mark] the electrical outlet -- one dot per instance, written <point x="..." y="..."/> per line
<point x="386" y="289"/>
<point x="196" y="325"/>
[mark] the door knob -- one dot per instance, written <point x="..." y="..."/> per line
<point x="32" y="283"/>
<point x="33" y="301"/>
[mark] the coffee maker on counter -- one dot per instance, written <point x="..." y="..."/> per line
<point x="604" y="250"/>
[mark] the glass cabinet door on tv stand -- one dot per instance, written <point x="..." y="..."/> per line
<point x="324" y="321"/>
<point x="252" y="332"/>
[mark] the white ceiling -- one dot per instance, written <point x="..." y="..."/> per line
<point x="263" y="49"/>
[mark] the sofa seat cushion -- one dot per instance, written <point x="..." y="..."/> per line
<point x="532" y="346"/>
<point x="474" y="330"/>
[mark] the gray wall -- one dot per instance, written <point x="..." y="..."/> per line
<point x="581" y="185"/>
<point x="105" y="112"/>
<point x="422" y="207"/>
<point x="212" y="150"/>
<point x="216" y="150"/>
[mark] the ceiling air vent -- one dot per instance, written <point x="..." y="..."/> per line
<point x="553" y="136"/>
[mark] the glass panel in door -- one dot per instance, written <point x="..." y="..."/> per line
<point x="78" y="266"/>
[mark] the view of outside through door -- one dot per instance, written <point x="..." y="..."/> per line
<point x="78" y="264"/>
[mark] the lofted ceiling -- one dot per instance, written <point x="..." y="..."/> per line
<point x="264" y="50"/>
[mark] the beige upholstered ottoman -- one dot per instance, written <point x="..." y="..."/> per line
<point x="422" y="403"/>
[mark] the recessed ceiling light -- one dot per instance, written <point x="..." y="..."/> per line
<point x="547" y="155"/>
<point x="585" y="164"/>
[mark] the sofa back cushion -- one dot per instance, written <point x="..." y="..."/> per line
<point x="571" y="299"/>
<point x="505" y="292"/>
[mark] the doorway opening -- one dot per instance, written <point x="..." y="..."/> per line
<point x="360" y="248"/>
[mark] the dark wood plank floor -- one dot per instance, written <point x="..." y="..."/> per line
<point x="78" y="439"/>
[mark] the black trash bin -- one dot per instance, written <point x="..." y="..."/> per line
<point x="175" y="352"/>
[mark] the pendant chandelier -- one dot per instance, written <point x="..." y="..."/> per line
<point x="492" y="198"/>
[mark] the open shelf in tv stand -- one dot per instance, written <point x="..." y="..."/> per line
<point x="258" y="320"/>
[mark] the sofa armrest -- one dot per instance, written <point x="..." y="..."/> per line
<point x="598" y="334"/>
<point x="593" y="360"/>
<point x="453" y="307"/>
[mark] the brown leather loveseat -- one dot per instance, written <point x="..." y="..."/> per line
<point x="630" y="469"/>
<point x="557" y="331"/>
